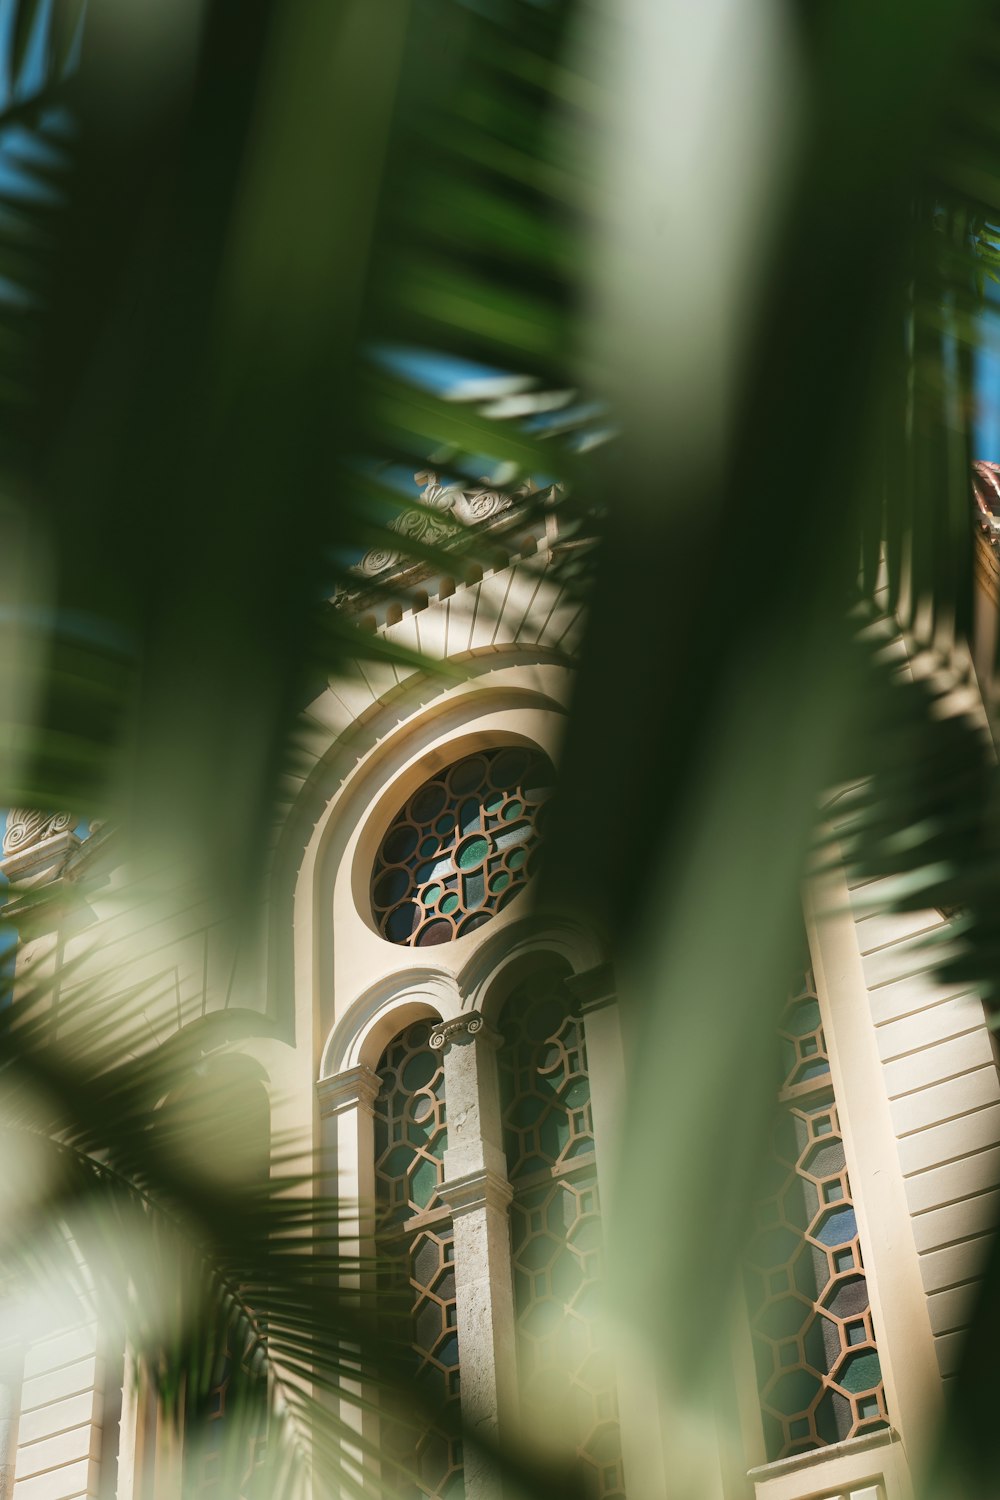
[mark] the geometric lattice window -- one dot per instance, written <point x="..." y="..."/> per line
<point x="818" y="1368"/>
<point x="555" y="1227"/>
<point x="461" y="848"/>
<point x="415" y="1247"/>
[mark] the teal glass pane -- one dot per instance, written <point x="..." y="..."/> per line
<point x="472" y="853"/>
<point x="860" y="1372"/>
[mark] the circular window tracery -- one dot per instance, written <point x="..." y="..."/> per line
<point x="462" y="847"/>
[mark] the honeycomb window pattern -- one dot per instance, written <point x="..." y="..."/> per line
<point x="411" y="1130"/>
<point x="462" y="847"/>
<point x="555" y="1228"/>
<point x="420" y="1462"/>
<point x="818" y="1367"/>
<point x="544" y="1082"/>
<point x="416" y="1251"/>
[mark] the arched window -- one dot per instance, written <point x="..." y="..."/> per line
<point x="818" y="1368"/>
<point x="415" y="1243"/>
<point x="555" y="1225"/>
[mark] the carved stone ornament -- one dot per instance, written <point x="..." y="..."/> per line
<point x="26" y="827"/>
<point x="986" y="494"/>
<point x="456" y="507"/>
<point x="459" y="1029"/>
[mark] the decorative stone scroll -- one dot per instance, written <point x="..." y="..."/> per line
<point x="455" y="507"/>
<point x="459" y="1029"/>
<point x="26" y="827"/>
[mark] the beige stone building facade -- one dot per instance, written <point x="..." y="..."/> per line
<point x="459" y="1063"/>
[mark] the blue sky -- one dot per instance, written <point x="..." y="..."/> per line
<point x="987" y="418"/>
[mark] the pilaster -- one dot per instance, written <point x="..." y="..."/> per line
<point x="347" y="1133"/>
<point x="347" y="1136"/>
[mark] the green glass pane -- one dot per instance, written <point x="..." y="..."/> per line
<point x="784" y="1317"/>
<point x="526" y="1110"/>
<point x="793" y="1392"/>
<point x="473" y="853"/>
<point x="512" y="810"/>
<point x="859" y="1372"/>
<point x="431" y="894"/>
<point x="539" y="1252"/>
<point x="803" y="1018"/>
<point x="499" y="882"/>
<point x="396" y="1163"/>
<point x="423" y="1181"/>
<point x="450" y="903"/>
<point x="516" y="860"/>
<point x="419" y="1070"/>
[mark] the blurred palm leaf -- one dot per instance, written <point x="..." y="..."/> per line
<point x="179" y="447"/>
<point x="200" y="357"/>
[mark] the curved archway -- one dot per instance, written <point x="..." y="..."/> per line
<point x="359" y="1037"/>
<point x="319" y="915"/>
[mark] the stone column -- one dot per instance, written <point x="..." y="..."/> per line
<point x="478" y="1194"/>
<point x="641" y="1408"/>
<point x="347" y="1113"/>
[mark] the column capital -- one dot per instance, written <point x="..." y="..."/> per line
<point x="480" y="1188"/>
<point x="355" y="1088"/>
<point x="462" y="1029"/>
<point x="594" y="988"/>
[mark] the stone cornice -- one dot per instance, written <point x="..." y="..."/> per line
<point x="355" y="1088"/>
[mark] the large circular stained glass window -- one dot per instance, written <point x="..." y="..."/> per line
<point x="462" y="847"/>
